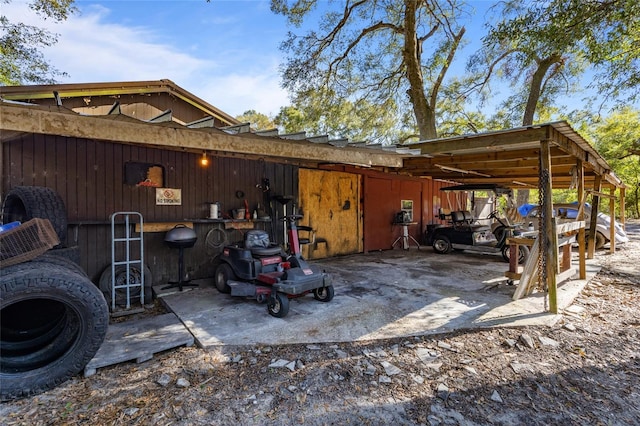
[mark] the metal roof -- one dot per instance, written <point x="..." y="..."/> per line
<point x="507" y="157"/>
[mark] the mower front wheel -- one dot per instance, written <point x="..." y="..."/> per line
<point x="324" y="294"/>
<point x="278" y="305"/>
<point x="224" y="273"/>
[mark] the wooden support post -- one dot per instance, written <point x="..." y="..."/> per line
<point x="549" y="247"/>
<point x="595" y="202"/>
<point x="622" y="212"/>
<point x="612" y="215"/>
<point x="581" y="233"/>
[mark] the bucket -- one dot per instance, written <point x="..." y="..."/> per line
<point x="213" y="211"/>
<point x="239" y="214"/>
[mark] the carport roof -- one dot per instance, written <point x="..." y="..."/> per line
<point x="510" y="157"/>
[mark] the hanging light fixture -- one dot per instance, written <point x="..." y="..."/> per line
<point x="204" y="160"/>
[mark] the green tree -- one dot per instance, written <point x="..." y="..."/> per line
<point x="374" y="52"/>
<point x="320" y="113"/>
<point x="21" y="59"/>
<point x="618" y="140"/>
<point x="542" y="48"/>
<point x="258" y="120"/>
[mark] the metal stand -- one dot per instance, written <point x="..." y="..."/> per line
<point x="405" y="237"/>
<point x="181" y="281"/>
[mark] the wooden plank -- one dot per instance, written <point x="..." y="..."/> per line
<point x="527" y="278"/>
<point x="566" y="227"/>
<point x="161" y="226"/>
<point x="139" y="340"/>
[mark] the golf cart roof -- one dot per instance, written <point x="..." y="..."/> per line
<point x="498" y="189"/>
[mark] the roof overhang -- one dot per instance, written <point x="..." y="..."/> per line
<point x="19" y="119"/>
<point x="44" y="91"/>
<point x="510" y="157"/>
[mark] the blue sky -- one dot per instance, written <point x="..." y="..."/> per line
<point x="225" y="52"/>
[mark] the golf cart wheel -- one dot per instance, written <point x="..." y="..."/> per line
<point x="442" y="245"/>
<point x="224" y="273"/>
<point x="324" y="294"/>
<point x="523" y="254"/>
<point x="278" y="305"/>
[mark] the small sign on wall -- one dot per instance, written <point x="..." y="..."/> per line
<point x="168" y="197"/>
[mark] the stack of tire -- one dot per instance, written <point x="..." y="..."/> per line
<point x="53" y="319"/>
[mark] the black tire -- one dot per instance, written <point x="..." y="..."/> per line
<point x="442" y="244"/>
<point x="523" y="254"/>
<point x="121" y="279"/>
<point x="499" y="232"/>
<point x="223" y="274"/>
<point x="35" y="302"/>
<point x="71" y="253"/>
<point x="23" y="203"/>
<point x="278" y="305"/>
<point x="324" y="294"/>
<point x="52" y="257"/>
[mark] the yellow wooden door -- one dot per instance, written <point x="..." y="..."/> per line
<point x="330" y="203"/>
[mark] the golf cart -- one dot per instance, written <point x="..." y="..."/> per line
<point x="466" y="232"/>
<point x="259" y="269"/>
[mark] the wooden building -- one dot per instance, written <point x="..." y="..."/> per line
<point x="109" y="147"/>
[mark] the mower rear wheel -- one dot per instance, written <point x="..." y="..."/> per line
<point x="278" y="305"/>
<point x="324" y="294"/>
<point x="224" y="273"/>
<point x="442" y="245"/>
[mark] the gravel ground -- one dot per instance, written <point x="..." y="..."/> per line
<point x="583" y="370"/>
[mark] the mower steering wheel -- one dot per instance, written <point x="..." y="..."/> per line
<point x="292" y="217"/>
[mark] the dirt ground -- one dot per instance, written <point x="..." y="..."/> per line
<point x="583" y="370"/>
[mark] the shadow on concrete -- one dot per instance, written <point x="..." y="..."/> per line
<point x="378" y="295"/>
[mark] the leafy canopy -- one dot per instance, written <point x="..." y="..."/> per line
<point x="21" y="59"/>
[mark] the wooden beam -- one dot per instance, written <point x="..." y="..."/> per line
<point x="489" y="141"/>
<point x="55" y="122"/>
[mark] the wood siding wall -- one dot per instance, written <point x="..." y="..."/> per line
<point x="89" y="176"/>
<point x="142" y="107"/>
<point x="382" y="200"/>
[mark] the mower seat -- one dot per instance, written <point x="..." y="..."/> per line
<point x="258" y="242"/>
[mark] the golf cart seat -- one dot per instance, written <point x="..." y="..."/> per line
<point x="464" y="219"/>
<point x="258" y="242"/>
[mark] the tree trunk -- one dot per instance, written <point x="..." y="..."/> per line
<point x="424" y="113"/>
<point x="535" y="88"/>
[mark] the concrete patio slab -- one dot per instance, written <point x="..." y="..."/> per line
<point x="378" y="295"/>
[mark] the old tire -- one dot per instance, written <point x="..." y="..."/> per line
<point x="53" y="257"/>
<point x="278" y="305"/>
<point x="135" y="277"/>
<point x="71" y="253"/>
<point x="441" y="244"/>
<point x="24" y="203"/>
<point x="324" y="294"/>
<point x="223" y="274"/>
<point x="52" y="322"/>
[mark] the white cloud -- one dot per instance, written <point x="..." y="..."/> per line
<point x="90" y="49"/>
